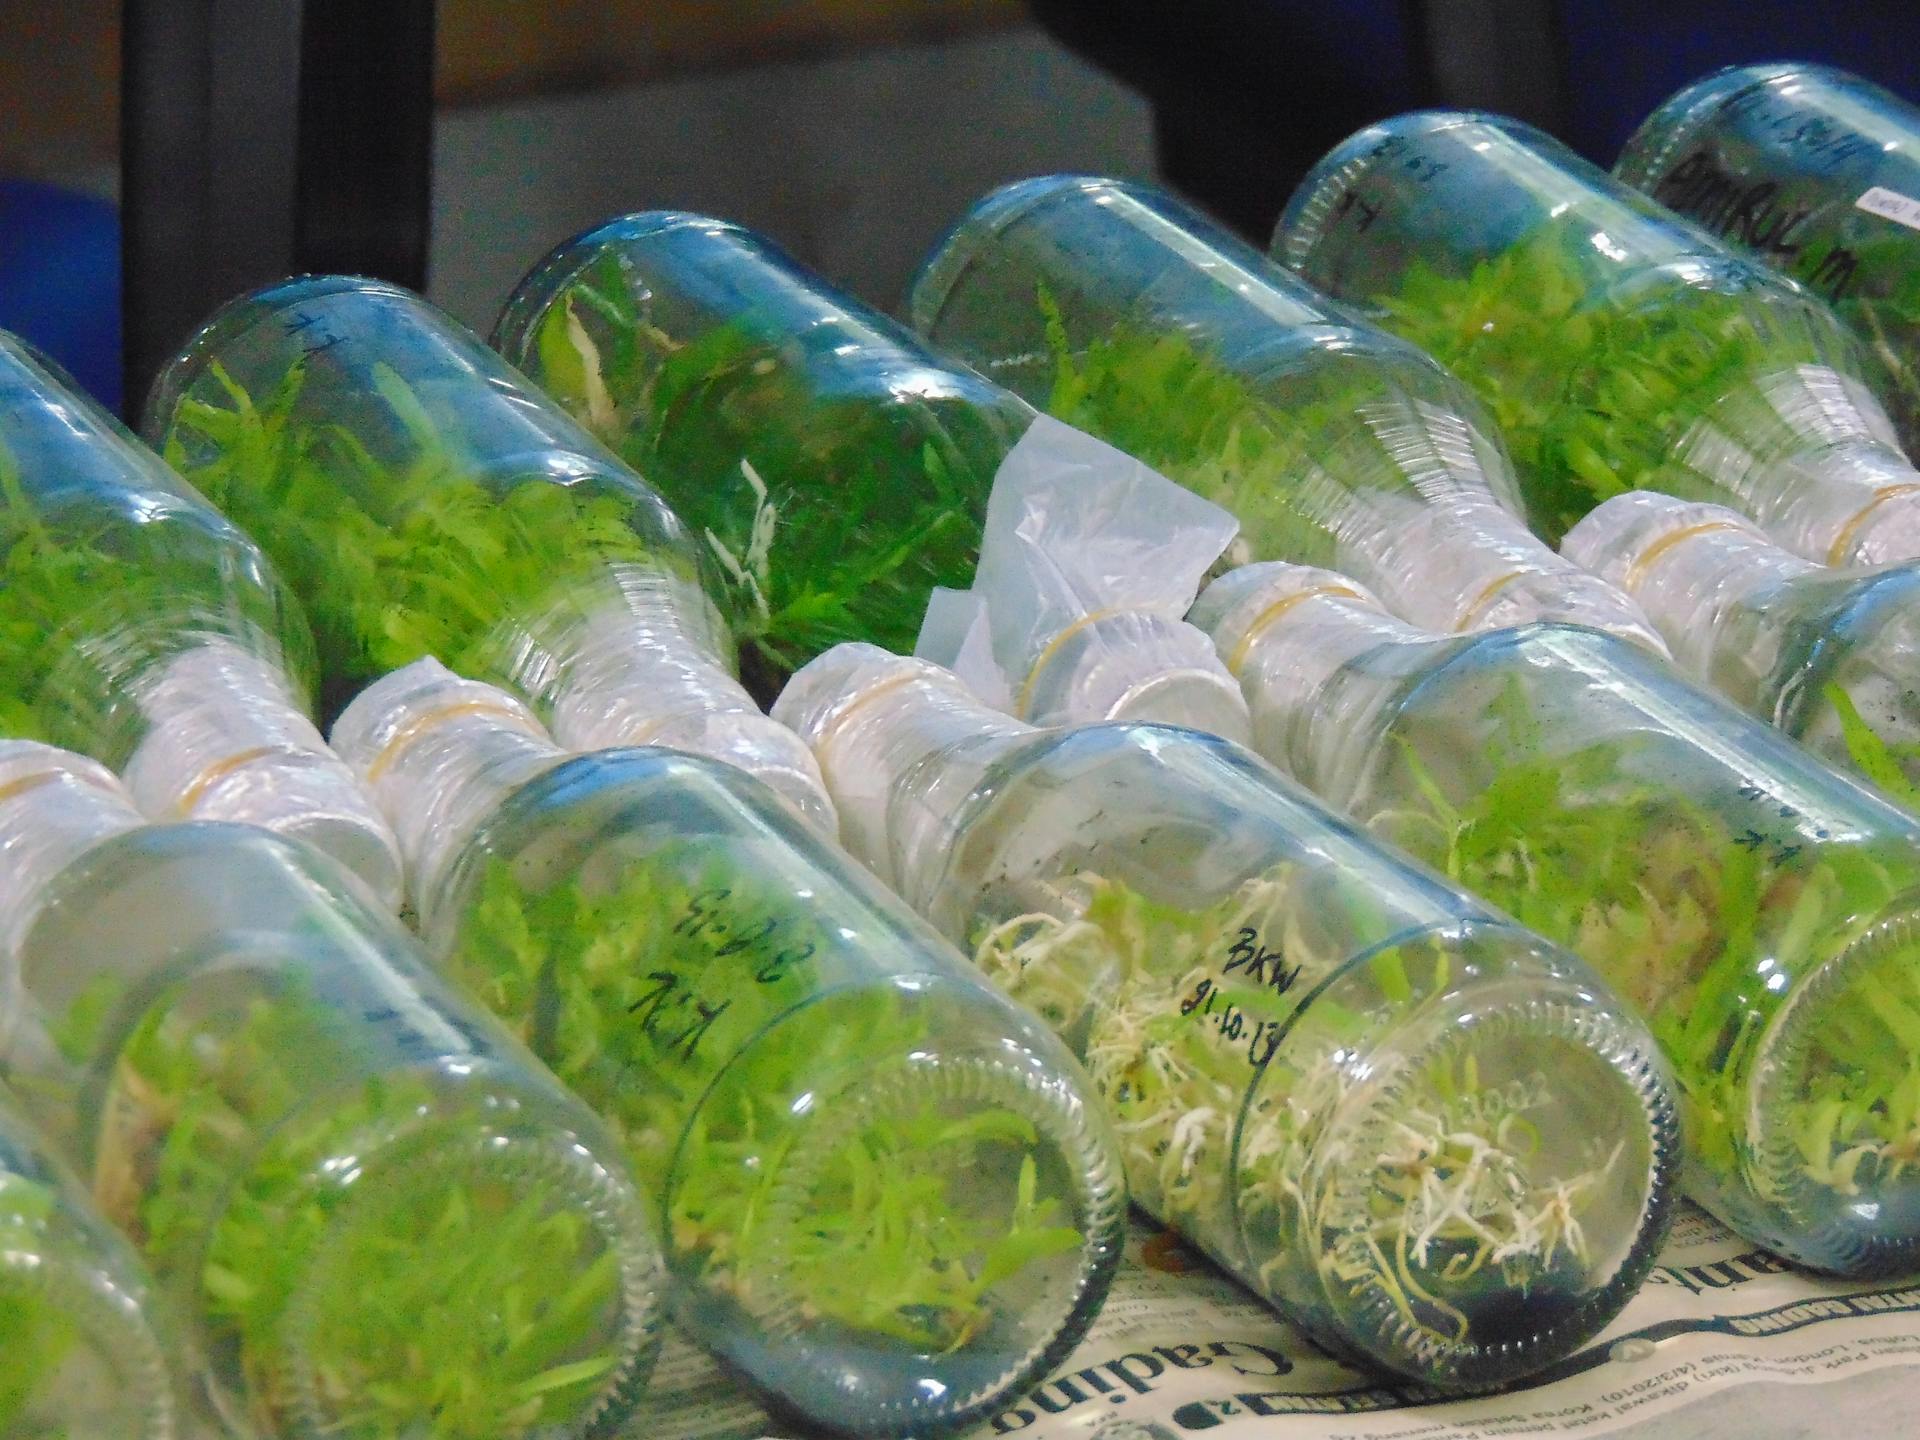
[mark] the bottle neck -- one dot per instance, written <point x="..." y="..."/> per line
<point x="225" y="739"/>
<point x="1715" y="584"/>
<point x="1854" y="502"/>
<point x="54" y="807"/>
<point x="648" y="669"/>
<point x="1294" y="636"/>
<point x="440" y="754"/>
<point x="1464" y="564"/>
<point x="902" y="746"/>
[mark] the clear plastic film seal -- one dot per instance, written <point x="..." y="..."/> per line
<point x="225" y="740"/>
<point x="1832" y="657"/>
<point x="1087" y="564"/>
<point x="439" y="753"/>
<point x="649" y="670"/>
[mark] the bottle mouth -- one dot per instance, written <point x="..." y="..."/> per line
<point x="944" y="1239"/>
<point x="1135" y="666"/>
<point x="485" y="1287"/>
<point x="1833" y="1112"/>
<point x="1523" y="1150"/>
<point x="78" y="1356"/>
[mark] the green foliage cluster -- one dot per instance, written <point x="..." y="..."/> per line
<point x="397" y="560"/>
<point x="1891" y="765"/>
<point x="1165" y="401"/>
<point x="1702" y="918"/>
<point x="215" y="1159"/>
<point x="1222" y="1122"/>
<point x="37" y="1337"/>
<point x="1594" y="391"/>
<point x="639" y="991"/>
<point x="831" y="509"/>
<point x="89" y="586"/>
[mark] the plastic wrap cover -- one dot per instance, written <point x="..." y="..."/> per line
<point x="1088" y="561"/>
<point x="872" y="717"/>
<point x="1686" y="562"/>
<point x="54" y="806"/>
<point x="1465" y="564"/>
<point x="1284" y="631"/>
<point x="226" y="740"/>
<point x="647" y="672"/>
<point x="439" y="753"/>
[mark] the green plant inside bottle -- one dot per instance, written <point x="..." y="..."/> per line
<point x="1592" y="397"/>
<point x="830" y="515"/>
<point x="1173" y="1050"/>
<point x="633" y="987"/>
<point x="394" y="566"/>
<point x="1166" y="402"/>
<point x="1647" y="888"/>
<point x="39" y="1337"/>
<point x="428" y="1273"/>
<point x="80" y="590"/>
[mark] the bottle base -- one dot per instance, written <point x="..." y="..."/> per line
<point x="1510" y="1212"/>
<point x="488" y="1288"/>
<point x="945" y="1236"/>
<point x="77" y="1358"/>
<point x="1834" y="1115"/>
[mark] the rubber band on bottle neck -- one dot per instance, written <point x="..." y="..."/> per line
<point x="218" y="771"/>
<point x="829" y="730"/>
<point x="1481" y="603"/>
<point x="36" y="781"/>
<point x="428" y="719"/>
<point x="1024" y="703"/>
<point x="1849" y="532"/>
<point x="1644" y="562"/>
<point x="1271" y="616"/>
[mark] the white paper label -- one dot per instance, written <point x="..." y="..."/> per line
<point x="1891" y="205"/>
<point x="1179" y="1352"/>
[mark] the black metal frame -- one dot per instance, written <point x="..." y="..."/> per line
<point x="263" y="138"/>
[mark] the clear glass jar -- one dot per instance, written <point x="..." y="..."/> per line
<point x="139" y="626"/>
<point x="419" y="495"/>
<point x="1429" y="1136"/>
<point x="839" y="468"/>
<point x="84" y="1349"/>
<point x="1831" y="657"/>
<point x="1815" y="172"/>
<point x="887" y="1198"/>
<point x="1762" y="912"/>
<point x="1618" y="346"/>
<point x="1119" y="310"/>
<point x="387" y="1219"/>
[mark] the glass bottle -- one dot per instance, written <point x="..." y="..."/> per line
<point x="1429" y="1136"/>
<point x="1618" y="346"/>
<point x="1119" y="310"/>
<point x="386" y="1218"/>
<point x="1762" y="912"/>
<point x="419" y="495"/>
<point x="84" y="1351"/>
<point x="887" y="1200"/>
<point x="839" y="469"/>
<point x="1815" y="172"/>
<point x="139" y="626"/>
<point x="1832" y="657"/>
